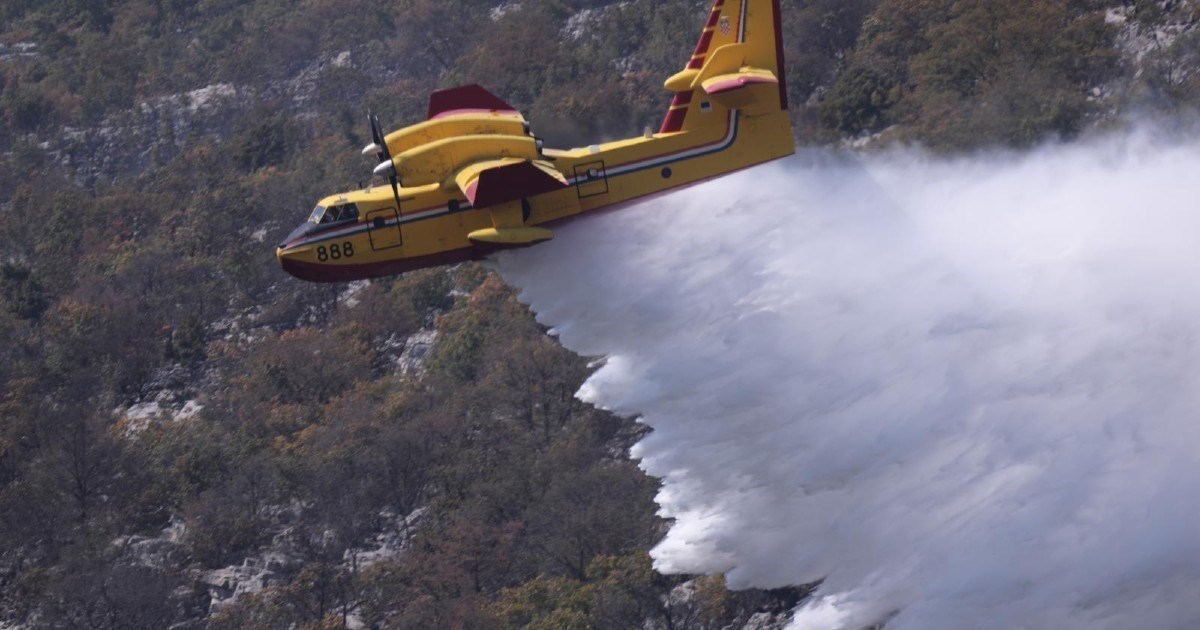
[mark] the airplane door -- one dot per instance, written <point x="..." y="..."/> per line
<point x="384" y="229"/>
<point x="591" y="179"/>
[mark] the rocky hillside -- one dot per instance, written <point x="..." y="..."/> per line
<point x="188" y="437"/>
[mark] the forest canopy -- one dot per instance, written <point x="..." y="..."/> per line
<point x="180" y="421"/>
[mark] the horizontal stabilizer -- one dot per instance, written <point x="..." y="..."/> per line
<point x="510" y="238"/>
<point x="471" y="99"/>
<point x="500" y="181"/>
<point x="725" y="83"/>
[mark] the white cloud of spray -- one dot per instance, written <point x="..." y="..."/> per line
<point x="965" y="393"/>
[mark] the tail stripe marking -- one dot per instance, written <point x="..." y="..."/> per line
<point x="678" y="111"/>
<point x="697" y="61"/>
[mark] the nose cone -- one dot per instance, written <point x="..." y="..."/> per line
<point x="289" y="263"/>
<point x="291" y="250"/>
<point x="289" y="259"/>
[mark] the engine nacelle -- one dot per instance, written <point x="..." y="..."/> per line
<point x="473" y="124"/>
<point x="437" y="162"/>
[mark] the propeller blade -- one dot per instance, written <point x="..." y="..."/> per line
<point x="380" y="148"/>
<point x="395" y="188"/>
<point x="378" y="144"/>
<point x="373" y="120"/>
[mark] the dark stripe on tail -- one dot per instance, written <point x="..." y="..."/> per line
<point x="679" y="108"/>
<point x="780" y="68"/>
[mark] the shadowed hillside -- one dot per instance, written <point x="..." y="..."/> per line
<point x="190" y="437"/>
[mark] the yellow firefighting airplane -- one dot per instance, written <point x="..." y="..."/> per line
<point x="472" y="179"/>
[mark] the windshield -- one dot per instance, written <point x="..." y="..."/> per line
<point x="345" y="212"/>
<point x="333" y="214"/>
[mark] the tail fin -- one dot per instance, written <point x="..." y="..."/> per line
<point x="738" y="64"/>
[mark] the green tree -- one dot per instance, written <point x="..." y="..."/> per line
<point x="959" y="73"/>
<point x="22" y="294"/>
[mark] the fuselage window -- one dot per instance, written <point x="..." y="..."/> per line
<point x="316" y="215"/>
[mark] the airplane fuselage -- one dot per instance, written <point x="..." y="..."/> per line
<point x="472" y="179"/>
<point x="432" y="225"/>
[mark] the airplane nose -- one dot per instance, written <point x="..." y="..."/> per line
<point x="282" y="257"/>
<point x="290" y="265"/>
<point x="291" y="262"/>
<point x="283" y="251"/>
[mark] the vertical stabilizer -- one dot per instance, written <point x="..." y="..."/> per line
<point x="737" y="64"/>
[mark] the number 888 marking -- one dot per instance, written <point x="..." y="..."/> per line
<point x="335" y="251"/>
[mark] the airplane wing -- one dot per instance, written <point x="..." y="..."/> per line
<point x="468" y="99"/>
<point x="494" y="182"/>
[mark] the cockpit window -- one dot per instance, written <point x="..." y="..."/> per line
<point x="347" y="212"/>
<point x="334" y="214"/>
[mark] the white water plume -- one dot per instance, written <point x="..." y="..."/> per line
<point x="962" y="392"/>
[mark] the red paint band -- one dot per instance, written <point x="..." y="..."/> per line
<point x="737" y="84"/>
<point x="674" y="121"/>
